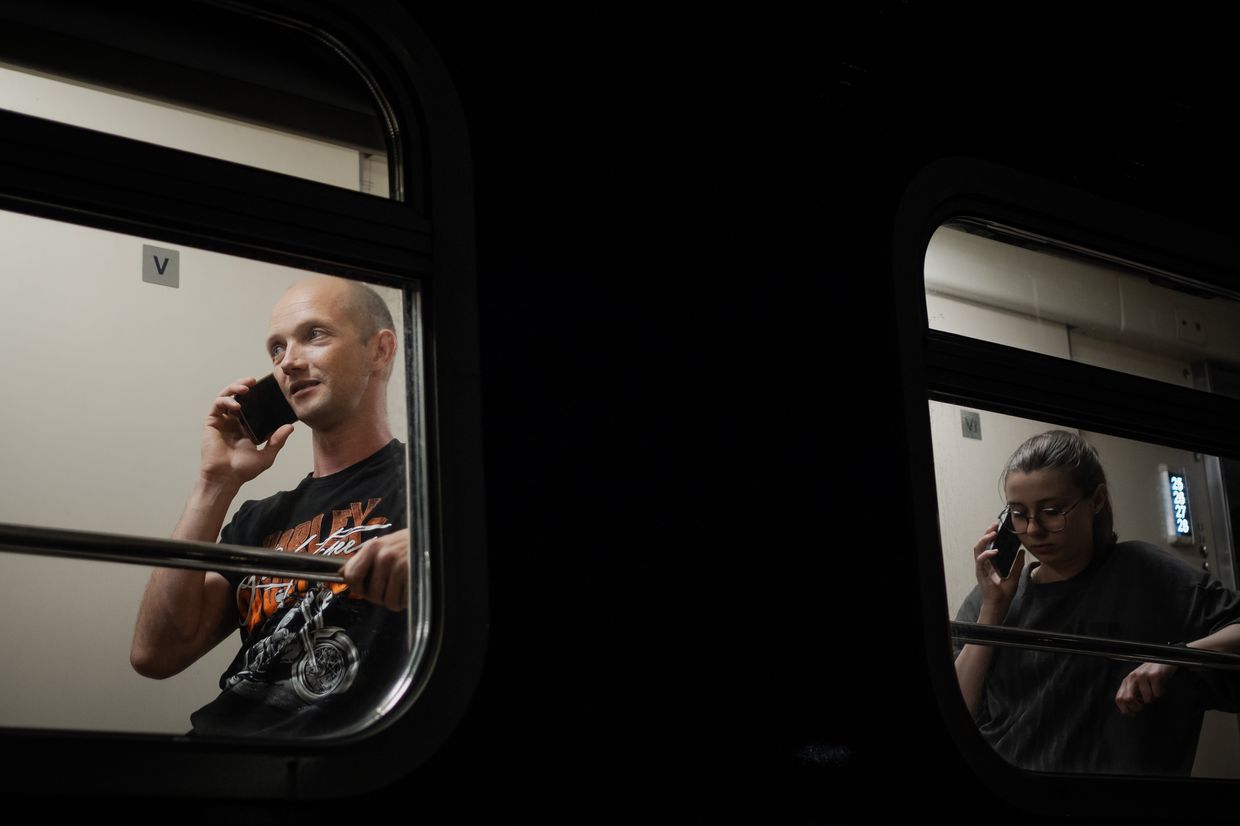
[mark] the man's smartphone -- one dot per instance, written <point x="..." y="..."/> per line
<point x="264" y="409"/>
<point x="1008" y="543"/>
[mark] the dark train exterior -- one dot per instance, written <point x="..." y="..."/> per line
<point x="707" y="489"/>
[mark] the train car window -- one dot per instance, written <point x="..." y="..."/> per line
<point x="1052" y="339"/>
<point x="143" y="276"/>
<point x="1170" y="578"/>
<point x="247" y="89"/>
<point x="1009" y="287"/>
<point x="120" y="345"/>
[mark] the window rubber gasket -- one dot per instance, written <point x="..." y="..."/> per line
<point x="943" y="366"/>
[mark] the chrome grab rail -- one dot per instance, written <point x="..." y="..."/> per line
<point x="1143" y="652"/>
<point x="168" y="553"/>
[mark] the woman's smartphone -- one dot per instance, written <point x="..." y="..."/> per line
<point x="264" y="409"/>
<point x="1008" y="543"/>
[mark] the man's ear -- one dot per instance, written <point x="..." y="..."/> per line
<point x="385" y="351"/>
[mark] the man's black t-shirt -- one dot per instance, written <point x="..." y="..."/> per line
<point x="313" y="659"/>
<point x="1056" y="712"/>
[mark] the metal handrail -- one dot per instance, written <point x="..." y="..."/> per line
<point x="1145" y="652"/>
<point x="168" y="553"/>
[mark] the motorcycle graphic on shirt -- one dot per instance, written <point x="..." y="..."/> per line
<point x="323" y="659"/>
<point x="320" y="659"/>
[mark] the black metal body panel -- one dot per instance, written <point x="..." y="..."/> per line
<point x="701" y="374"/>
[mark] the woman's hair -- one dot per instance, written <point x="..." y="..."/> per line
<point x="1056" y="449"/>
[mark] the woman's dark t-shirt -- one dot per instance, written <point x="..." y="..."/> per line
<point x="1056" y="712"/>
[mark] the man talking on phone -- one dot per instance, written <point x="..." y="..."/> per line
<point x="314" y="657"/>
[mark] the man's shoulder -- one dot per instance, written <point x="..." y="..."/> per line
<point x="255" y="512"/>
<point x="379" y="477"/>
<point x="252" y="507"/>
<point x="393" y="453"/>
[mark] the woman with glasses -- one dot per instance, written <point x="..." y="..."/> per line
<point x="1061" y="712"/>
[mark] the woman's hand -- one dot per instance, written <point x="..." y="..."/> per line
<point x="1143" y="685"/>
<point x="997" y="592"/>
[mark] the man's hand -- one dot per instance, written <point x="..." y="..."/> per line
<point x="1143" y="685"/>
<point x="378" y="571"/>
<point x="228" y="455"/>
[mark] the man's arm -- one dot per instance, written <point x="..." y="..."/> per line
<point x="184" y="614"/>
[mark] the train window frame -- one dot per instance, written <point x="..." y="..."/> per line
<point x="300" y="85"/>
<point x="271" y="217"/>
<point x="943" y="366"/>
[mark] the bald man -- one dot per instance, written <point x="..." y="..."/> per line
<point x="314" y="657"/>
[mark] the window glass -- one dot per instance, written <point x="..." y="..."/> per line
<point x="1160" y="584"/>
<point x="242" y="89"/>
<point x="117" y="346"/>
<point x="999" y="285"/>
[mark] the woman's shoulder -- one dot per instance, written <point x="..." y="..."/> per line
<point x="1139" y="547"/>
<point x="971" y="606"/>
<point x="1142" y="558"/>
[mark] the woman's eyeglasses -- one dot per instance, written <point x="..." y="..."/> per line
<point x="1052" y="520"/>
